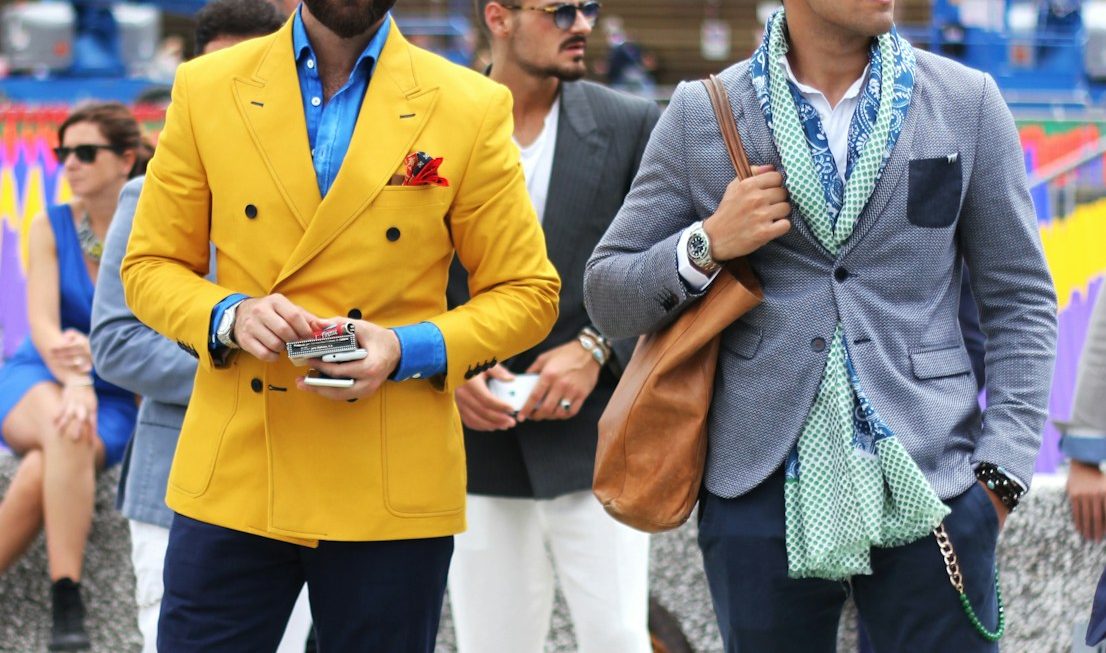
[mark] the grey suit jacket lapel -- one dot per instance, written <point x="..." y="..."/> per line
<point x="577" y="163"/>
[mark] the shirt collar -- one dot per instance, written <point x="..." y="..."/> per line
<point x="852" y="92"/>
<point x="301" y="45"/>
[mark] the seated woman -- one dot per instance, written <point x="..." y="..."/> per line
<point x="55" y="413"/>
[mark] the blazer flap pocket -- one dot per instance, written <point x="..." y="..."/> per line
<point x="742" y="338"/>
<point x="936" y="363"/>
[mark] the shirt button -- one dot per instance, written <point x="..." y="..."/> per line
<point x="256" y="385"/>
<point x="310" y="63"/>
<point x="416" y="375"/>
<point x="840" y="274"/>
<point x="818" y="344"/>
<point x="316" y="101"/>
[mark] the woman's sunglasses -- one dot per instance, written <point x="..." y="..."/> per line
<point x="564" y="14"/>
<point x="85" y="153"/>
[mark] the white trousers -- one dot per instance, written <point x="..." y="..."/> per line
<point x="148" y="544"/>
<point x="501" y="581"/>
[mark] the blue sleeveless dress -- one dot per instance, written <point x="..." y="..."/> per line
<point x="117" y="409"/>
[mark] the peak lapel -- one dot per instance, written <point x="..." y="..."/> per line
<point x="381" y="140"/>
<point x="577" y="172"/>
<point x="271" y="106"/>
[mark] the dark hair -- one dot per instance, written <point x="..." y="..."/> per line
<point x="241" y="18"/>
<point x="116" y="124"/>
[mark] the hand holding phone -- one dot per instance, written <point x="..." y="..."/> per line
<point x="514" y="392"/>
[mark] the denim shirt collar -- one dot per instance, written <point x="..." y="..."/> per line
<point x="301" y="45"/>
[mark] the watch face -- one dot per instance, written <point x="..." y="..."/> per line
<point x="697" y="247"/>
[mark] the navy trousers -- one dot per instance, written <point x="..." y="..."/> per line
<point x="228" y="591"/>
<point x="907" y="604"/>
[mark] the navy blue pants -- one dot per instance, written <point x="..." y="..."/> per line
<point x="231" y="591"/>
<point x="907" y="604"/>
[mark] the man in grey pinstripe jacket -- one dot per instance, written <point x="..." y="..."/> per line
<point x="530" y="510"/>
<point x="952" y="189"/>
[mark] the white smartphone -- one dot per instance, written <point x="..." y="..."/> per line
<point x="326" y="382"/>
<point x="514" y="392"/>
<point x="355" y="355"/>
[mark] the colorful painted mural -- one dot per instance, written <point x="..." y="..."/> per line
<point x="1074" y="240"/>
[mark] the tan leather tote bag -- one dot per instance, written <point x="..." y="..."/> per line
<point x="653" y="433"/>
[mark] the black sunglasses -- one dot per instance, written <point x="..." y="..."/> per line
<point x="564" y="14"/>
<point x="85" y="153"/>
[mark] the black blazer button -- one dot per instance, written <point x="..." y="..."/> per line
<point x="251" y="211"/>
<point x="818" y="344"/>
<point x="392" y="234"/>
<point x="840" y="274"/>
<point x="354" y="314"/>
<point x="256" y="385"/>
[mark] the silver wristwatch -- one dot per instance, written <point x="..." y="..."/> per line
<point x="698" y="249"/>
<point x="224" y="334"/>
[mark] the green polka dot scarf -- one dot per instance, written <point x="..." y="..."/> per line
<point x="850" y="483"/>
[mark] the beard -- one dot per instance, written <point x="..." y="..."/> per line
<point x="565" y="72"/>
<point x="349" y="18"/>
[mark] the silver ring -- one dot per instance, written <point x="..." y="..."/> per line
<point x="566" y="404"/>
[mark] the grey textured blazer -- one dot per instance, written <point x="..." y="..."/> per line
<point x="955" y="186"/>
<point x="600" y="139"/>
<point x="1085" y="435"/>
<point x="133" y="356"/>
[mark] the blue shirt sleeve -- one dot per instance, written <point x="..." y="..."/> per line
<point x="1084" y="446"/>
<point x="421" y="352"/>
<point x="217" y="314"/>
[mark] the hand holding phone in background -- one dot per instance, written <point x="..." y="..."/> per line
<point x="483" y="410"/>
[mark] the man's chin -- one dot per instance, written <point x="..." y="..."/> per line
<point x="570" y="74"/>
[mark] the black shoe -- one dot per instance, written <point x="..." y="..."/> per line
<point x="68" y="633"/>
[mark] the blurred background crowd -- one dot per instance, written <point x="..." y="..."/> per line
<point x="1048" y="56"/>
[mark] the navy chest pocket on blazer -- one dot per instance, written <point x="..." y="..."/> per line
<point x="934" y="196"/>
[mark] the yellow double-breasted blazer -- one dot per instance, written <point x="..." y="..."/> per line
<point x="233" y="167"/>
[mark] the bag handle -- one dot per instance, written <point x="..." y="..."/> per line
<point x="723" y="114"/>
<point x="720" y="100"/>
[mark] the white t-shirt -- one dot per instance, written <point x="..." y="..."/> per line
<point x="537" y="160"/>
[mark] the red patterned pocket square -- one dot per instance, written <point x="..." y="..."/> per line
<point x="422" y="170"/>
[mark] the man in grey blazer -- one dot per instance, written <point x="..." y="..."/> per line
<point x="137" y="358"/>
<point x="529" y="475"/>
<point x="844" y="426"/>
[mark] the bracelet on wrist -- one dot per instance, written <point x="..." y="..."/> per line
<point x="998" y="481"/>
<point x="593" y="347"/>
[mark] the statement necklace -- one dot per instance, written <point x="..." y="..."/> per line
<point x="91" y="244"/>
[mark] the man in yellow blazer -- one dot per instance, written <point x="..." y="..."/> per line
<point x="337" y="170"/>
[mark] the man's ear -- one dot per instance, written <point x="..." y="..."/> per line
<point x="498" y="19"/>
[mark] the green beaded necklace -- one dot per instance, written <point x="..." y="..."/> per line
<point x="987" y="634"/>
<point x="952" y="566"/>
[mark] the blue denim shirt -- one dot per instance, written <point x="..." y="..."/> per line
<point x="330" y="126"/>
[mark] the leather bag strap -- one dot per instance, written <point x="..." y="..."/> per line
<point x="723" y="115"/>
<point x="720" y="100"/>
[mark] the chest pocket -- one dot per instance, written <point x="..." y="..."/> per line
<point x="934" y="198"/>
